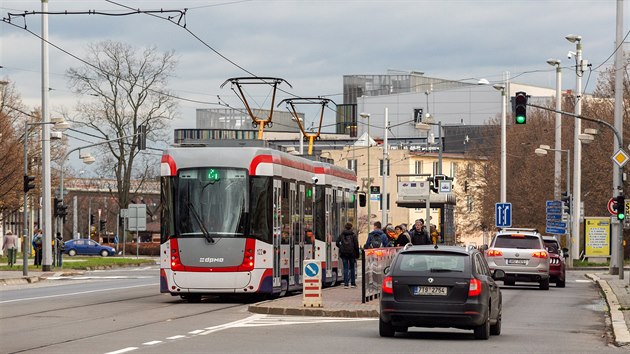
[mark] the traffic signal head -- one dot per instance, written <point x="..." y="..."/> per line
<point x="91" y="219"/>
<point x="566" y="202"/>
<point x="56" y="203"/>
<point x="520" y="108"/>
<point x="29" y="183"/>
<point x="621" y="207"/>
<point x="102" y="225"/>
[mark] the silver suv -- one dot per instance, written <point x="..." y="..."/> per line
<point x="521" y="254"/>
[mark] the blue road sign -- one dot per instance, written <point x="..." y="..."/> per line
<point x="555" y="231"/>
<point x="311" y="270"/>
<point x="554" y="217"/>
<point x="554" y="210"/>
<point x="503" y="214"/>
<point x="554" y="203"/>
<point x="557" y="224"/>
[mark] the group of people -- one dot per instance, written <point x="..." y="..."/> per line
<point x="389" y="236"/>
<point x="399" y="236"/>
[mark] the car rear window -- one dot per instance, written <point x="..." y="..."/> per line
<point x="517" y="241"/>
<point x="552" y="246"/>
<point x="432" y="261"/>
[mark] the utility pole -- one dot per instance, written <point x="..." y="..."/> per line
<point x="46" y="183"/>
<point x="617" y="185"/>
<point x="385" y="199"/>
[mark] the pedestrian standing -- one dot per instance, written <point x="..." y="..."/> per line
<point x="348" y="244"/>
<point x="37" y="246"/>
<point x="376" y="238"/>
<point x="10" y="246"/>
<point x="418" y="234"/>
<point x="402" y="237"/>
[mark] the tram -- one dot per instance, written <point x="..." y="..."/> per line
<point x="239" y="220"/>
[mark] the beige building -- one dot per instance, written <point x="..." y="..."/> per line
<point x="404" y="161"/>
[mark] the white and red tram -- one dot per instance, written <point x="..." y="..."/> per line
<point x="243" y="219"/>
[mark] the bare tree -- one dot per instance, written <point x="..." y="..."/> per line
<point x="126" y="87"/>
<point x="11" y="161"/>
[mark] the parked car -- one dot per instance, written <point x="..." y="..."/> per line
<point x="86" y="247"/>
<point x="521" y="254"/>
<point x="557" y="266"/>
<point x="440" y="286"/>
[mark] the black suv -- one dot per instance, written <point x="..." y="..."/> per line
<point x="440" y="286"/>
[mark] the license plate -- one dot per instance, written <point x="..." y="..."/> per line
<point x="517" y="261"/>
<point x="430" y="290"/>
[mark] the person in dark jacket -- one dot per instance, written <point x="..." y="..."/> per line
<point x="376" y="238"/>
<point x="348" y="245"/>
<point x="418" y="234"/>
<point x="402" y="236"/>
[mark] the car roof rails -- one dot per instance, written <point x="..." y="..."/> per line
<point x="407" y="246"/>
<point x="507" y="229"/>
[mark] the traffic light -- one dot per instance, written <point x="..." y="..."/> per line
<point x="29" y="183"/>
<point x="63" y="211"/>
<point x="91" y="219"/>
<point x="56" y="207"/>
<point x="520" y="108"/>
<point x="621" y="207"/>
<point x="101" y="226"/>
<point x="566" y="202"/>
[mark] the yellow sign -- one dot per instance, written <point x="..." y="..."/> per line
<point x="597" y="237"/>
<point x="620" y="157"/>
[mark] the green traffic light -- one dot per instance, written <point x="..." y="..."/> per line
<point x="520" y="120"/>
<point x="621" y="216"/>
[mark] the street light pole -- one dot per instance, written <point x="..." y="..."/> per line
<point x="617" y="228"/>
<point x="503" y="184"/>
<point x="385" y="199"/>
<point x="558" y="130"/>
<point x="369" y="183"/>
<point x="577" y="147"/>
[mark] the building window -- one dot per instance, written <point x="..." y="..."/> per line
<point x="418" y="167"/>
<point x="453" y="169"/>
<point x="435" y="168"/>
<point x="380" y="203"/>
<point x="352" y="165"/>
<point x="469" y="203"/>
<point x="380" y="167"/>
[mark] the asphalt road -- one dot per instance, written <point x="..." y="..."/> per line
<point x="123" y="312"/>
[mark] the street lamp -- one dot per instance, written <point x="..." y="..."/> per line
<point x="558" y="130"/>
<point x="369" y="183"/>
<point x="59" y="124"/>
<point x="577" y="146"/>
<point x="503" y="88"/>
<point x="542" y="151"/>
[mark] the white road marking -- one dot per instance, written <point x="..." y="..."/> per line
<point x="128" y="349"/>
<point x="583" y="281"/>
<point x="197" y="331"/>
<point x="77" y="293"/>
<point x="176" y="337"/>
<point x="153" y="342"/>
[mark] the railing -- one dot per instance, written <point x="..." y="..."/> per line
<point x="374" y="261"/>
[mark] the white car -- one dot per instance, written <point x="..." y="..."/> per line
<point x="521" y="254"/>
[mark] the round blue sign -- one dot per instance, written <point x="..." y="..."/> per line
<point x="311" y="270"/>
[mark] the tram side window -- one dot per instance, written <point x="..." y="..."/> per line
<point x="166" y="213"/>
<point x="320" y="213"/>
<point x="261" y="208"/>
<point x="284" y="214"/>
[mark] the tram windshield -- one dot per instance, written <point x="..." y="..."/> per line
<point x="211" y="202"/>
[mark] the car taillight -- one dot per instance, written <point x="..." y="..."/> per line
<point x="494" y="253"/>
<point x="540" y="254"/>
<point x="475" y="287"/>
<point x="388" y="285"/>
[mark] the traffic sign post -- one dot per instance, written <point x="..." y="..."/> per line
<point x="555" y="218"/>
<point x="312" y="285"/>
<point x="503" y="214"/>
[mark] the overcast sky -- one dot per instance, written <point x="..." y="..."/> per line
<point x="312" y="44"/>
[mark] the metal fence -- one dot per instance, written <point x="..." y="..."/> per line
<point x="374" y="261"/>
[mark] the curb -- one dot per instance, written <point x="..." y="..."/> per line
<point x="620" y="328"/>
<point x="311" y="311"/>
<point x="22" y="280"/>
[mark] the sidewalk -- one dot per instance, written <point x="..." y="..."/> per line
<point x="617" y="294"/>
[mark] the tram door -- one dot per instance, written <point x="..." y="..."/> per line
<point x="329" y="230"/>
<point x="299" y="235"/>
<point x="295" y="230"/>
<point x="277" y="227"/>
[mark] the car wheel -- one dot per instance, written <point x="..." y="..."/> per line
<point x="104" y="253"/>
<point x="495" y="329"/>
<point x="483" y="331"/>
<point x="560" y="283"/>
<point x="509" y="281"/>
<point x="385" y="329"/>
<point x="72" y="253"/>
<point x="544" y="284"/>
